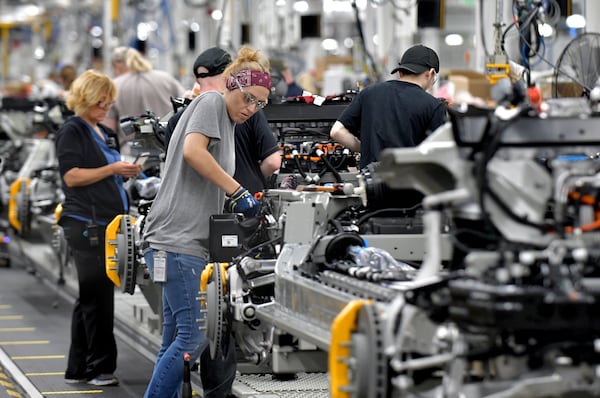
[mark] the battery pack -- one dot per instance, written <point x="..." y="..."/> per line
<point x="226" y="237"/>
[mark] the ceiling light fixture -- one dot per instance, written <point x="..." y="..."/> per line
<point x="575" y="21"/>
<point x="454" y="40"/>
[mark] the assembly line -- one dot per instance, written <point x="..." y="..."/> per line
<point x="295" y="303"/>
<point x="453" y="255"/>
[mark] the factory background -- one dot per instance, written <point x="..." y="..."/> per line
<point x="358" y="40"/>
<point x="504" y="300"/>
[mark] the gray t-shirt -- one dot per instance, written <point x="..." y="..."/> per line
<point x="179" y="217"/>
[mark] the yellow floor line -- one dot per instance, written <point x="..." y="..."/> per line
<point x="25" y="342"/>
<point x="17" y="329"/>
<point x="46" y="393"/>
<point x="10" y="317"/>
<point x="5" y="306"/>
<point x="25" y="357"/>
<point x="36" y="374"/>
<point x="6" y="383"/>
<point x="13" y="369"/>
<point x="14" y="394"/>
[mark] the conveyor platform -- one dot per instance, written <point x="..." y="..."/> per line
<point x="35" y="319"/>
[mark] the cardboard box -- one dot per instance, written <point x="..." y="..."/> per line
<point x="477" y="84"/>
<point x="563" y="89"/>
<point x="323" y="63"/>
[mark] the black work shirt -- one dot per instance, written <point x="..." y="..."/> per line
<point x="76" y="147"/>
<point x="254" y="142"/>
<point x="391" y="114"/>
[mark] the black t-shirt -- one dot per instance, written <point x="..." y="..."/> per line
<point x="254" y="141"/>
<point x="391" y="114"/>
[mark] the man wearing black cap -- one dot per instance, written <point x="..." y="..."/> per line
<point x="256" y="151"/>
<point x="394" y="113"/>
<point x="211" y="62"/>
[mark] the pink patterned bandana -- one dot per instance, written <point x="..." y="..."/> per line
<point x="249" y="77"/>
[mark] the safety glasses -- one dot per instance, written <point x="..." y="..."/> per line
<point x="249" y="98"/>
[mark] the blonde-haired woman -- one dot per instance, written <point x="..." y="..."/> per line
<point x="92" y="178"/>
<point x="119" y="60"/>
<point x="141" y="88"/>
<point x="197" y="178"/>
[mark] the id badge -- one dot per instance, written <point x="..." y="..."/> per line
<point x="160" y="266"/>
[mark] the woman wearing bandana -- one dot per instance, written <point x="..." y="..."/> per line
<point x="197" y="178"/>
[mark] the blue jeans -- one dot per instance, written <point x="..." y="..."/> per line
<point x="181" y="312"/>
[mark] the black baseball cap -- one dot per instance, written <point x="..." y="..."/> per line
<point x="214" y="59"/>
<point x="418" y="59"/>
